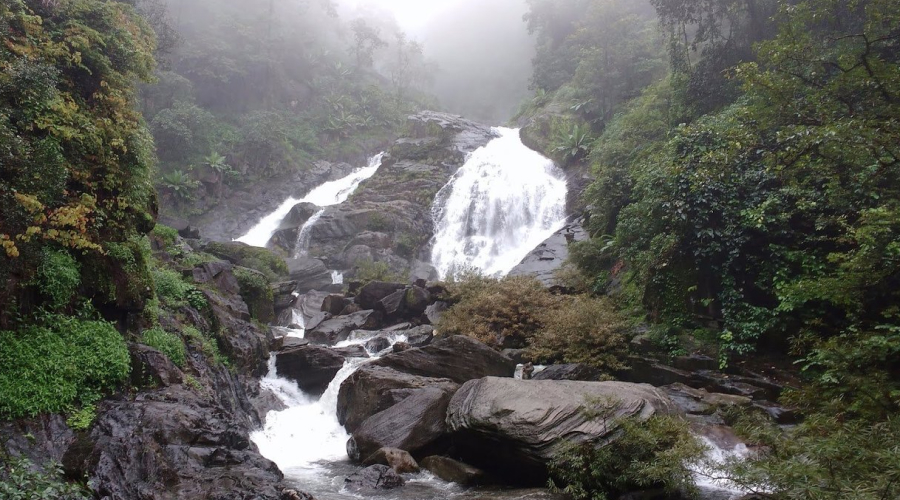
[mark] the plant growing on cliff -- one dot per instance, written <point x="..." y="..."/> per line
<point x="572" y="144"/>
<point x="21" y="480"/>
<point x="656" y="453"/>
<point x="167" y="343"/>
<point x="48" y="368"/>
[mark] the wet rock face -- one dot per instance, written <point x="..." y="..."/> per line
<point x="172" y="444"/>
<point x="512" y="428"/>
<point x="311" y="367"/>
<point x="373" y="389"/>
<point x="549" y="256"/>
<point x="457" y="358"/>
<point x="238" y="211"/>
<point x="374" y="477"/>
<point x="415" y="424"/>
<point x="395" y="203"/>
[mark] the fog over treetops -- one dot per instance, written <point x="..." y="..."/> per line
<point x="481" y="51"/>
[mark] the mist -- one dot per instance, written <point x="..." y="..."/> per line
<point x="480" y="52"/>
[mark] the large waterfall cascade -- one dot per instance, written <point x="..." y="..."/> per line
<point x="500" y="205"/>
<point x="505" y="201"/>
<point x="328" y="194"/>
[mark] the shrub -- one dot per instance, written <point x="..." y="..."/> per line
<point x="656" y="453"/>
<point x="500" y="313"/>
<point x="166" y="234"/>
<point x="58" y="276"/>
<point x="170" y="288"/>
<point x="49" y="368"/>
<point x="167" y="343"/>
<point x="583" y="329"/>
<point x="258" y="259"/>
<point x="19" y="479"/>
<point x="368" y="271"/>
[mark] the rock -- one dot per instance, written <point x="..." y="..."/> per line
<point x="310" y="274"/>
<point x="575" y="371"/>
<point x="352" y="351"/>
<point x="334" y="304"/>
<point x="377" y="344"/>
<point x="283" y="295"/>
<point x="295" y="495"/>
<point x="374" y="477"/>
<point x="514" y="427"/>
<point x="299" y="214"/>
<point x="420" y="336"/>
<point x="311" y="367"/>
<point x="399" y="460"/>
<point x="151" y="367"/>
<point x="414" y="424"/>
<point x="393" y="305"/>
<point x="373" y="293"/>
<point x="400" y="347"/>
<point x="780" y="414"/>
<point x="417" y="299"/>
<point x="434" y="311"/>
<point x="293" y="342"/>
<point x="184" y="228"/>
<point x="519" y="356"/>
<point x="372" y="389"/>
<point x="454" y="471"/>
<point x="543" y="262"/>
<point x="695" y="362"/>
<point x="338" y="329"/>
<point x="209" y="271"/>
<point x="457" y="358"/>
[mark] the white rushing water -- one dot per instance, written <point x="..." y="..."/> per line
<point x="329" y="193"/>
<point x="505" y="201"/>
<point x="304" y="439"/>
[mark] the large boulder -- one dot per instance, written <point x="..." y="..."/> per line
<point x="371" y="295"/>
<point x="334" y="330"/>
<point x="514" y="427"/>
<point x="416" y="425"/>
<point x="372" y="389"/>
<point x="310" y="274"/>
<point x="312" y="367"/>
<point x="457" y="358"/>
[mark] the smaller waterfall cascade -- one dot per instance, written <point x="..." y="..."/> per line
<point x="506" y="200"/>
<point x="306" y="436"/>
<point x="329" y="193"/>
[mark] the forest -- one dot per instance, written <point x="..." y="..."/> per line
<point x="740" y="192"/>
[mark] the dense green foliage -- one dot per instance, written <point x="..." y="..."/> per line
<point x="75" y="157"/>
<point x="50" y="368"/>
<point x="753" y="193"/>
<point x="19" y="480"/>
<point x="167" y="343"/>
<point x="656" y="453"/>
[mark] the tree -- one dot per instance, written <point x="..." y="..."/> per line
<point x="367" y="40"/>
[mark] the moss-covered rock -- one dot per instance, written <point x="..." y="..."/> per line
<point x="259" y="259"/>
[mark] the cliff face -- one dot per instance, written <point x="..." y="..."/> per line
<point x="389" y="217"/>
<point x="174" y="431"/>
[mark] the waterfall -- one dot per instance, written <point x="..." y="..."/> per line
<point x="505" y="201"/>
<point x="329" y="193"/>
<point x="306" y="436"/>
